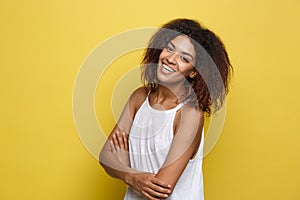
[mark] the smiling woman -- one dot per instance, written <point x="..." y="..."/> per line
<point x="176" y="62"/>
<point x="156" y="147"/>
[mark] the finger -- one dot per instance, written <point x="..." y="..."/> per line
<point x="160" y="183"/>
<point x="148" y="196"/>
<point x="155" y="194"/>
<point x="125" y="138"/>
<point x="115" y="140"/>
<point x="120" y="140"/>
<point x="160" y="190"/>
<point x="112" y="146"/>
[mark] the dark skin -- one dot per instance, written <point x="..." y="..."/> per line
<point x="115" y="153"/>
<point x="173" y="68"/>
<point x="160" y="185"/>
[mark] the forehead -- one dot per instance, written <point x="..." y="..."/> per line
<point x="183" y="44"/>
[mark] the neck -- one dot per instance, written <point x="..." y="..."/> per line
<point x="173" y="95"/>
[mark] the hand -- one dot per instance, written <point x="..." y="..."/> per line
<point x="145" y="183"/>
<point x="120" y="139"/>
<point x="119" y="146"/>
<point x="149" y="186"/>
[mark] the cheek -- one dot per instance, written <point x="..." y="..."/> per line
<point x="163" y="54"/>
<point x="186" y="68"/>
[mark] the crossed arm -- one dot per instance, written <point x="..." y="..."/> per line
<point x="114" y="156"/>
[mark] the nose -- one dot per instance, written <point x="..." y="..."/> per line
<point x="172" y="58"/>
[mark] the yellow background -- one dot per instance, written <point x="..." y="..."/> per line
<point x="43" y="44"/>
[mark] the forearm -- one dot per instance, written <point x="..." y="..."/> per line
<point x="114" y="167"/>
<point x="121" y="175"/>
<point x="170" y="174"/>
<point x="144" y="183"/>
<point x="184" y="145"/>
<point x="176" y="163"/>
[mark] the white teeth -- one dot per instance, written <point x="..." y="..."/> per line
<point x="168" y="68"/>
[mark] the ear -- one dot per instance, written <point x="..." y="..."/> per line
<point x="193" y="74"/>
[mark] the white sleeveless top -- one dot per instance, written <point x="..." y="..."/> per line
<point x="150" y="139"/>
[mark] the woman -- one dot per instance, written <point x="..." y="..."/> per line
<point x="157" y="145"/>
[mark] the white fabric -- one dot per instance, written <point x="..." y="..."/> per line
<point x="149" y="141"/>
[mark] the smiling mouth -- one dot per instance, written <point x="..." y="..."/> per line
<point x="168" y="69"/>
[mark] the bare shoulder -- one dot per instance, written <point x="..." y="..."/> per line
<point x="189" y="112"/>
<point x="139" y="94"/>
<point x="192" y="117"/>
<point x="138" y="97"/>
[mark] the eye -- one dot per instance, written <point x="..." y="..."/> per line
<point x="169" y="49"/>
<point x="184" y="59"/>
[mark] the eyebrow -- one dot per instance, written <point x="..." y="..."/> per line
<point x="185" y="53"/>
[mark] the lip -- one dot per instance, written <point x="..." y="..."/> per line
<point x="167" y="69"/>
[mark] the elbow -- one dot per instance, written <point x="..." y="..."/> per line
<point x="102" y="162"/>
<point x="101" y="158"/>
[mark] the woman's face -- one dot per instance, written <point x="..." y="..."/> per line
<point x="176" y="61"/>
